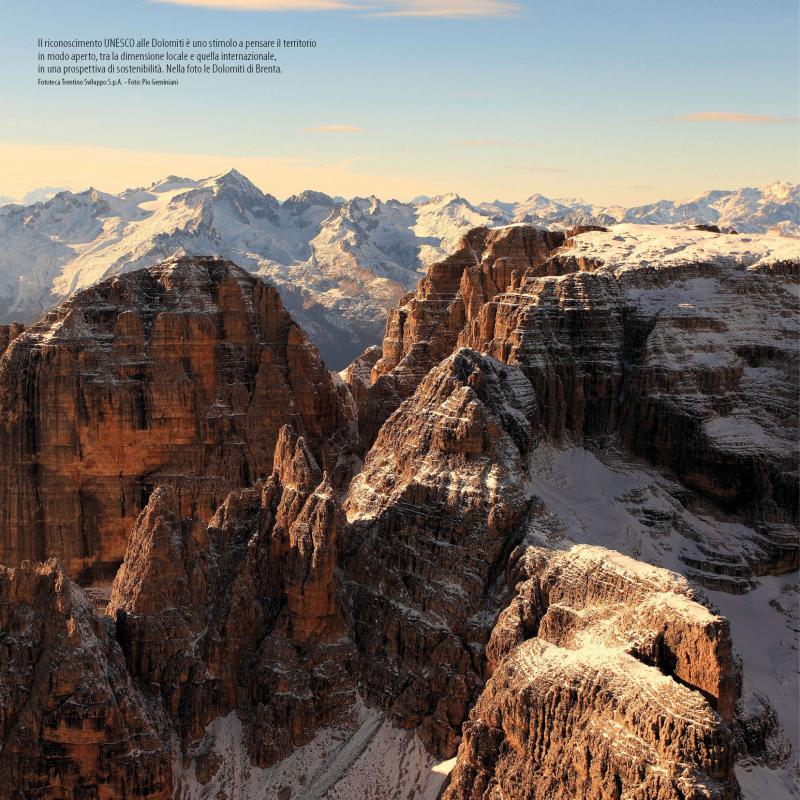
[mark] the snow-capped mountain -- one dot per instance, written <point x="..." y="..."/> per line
<point x="775" y="207"/>
<point x="339" y="264"/>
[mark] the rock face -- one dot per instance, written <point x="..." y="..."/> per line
<point x="8" y="333"/>
<point x="425" y="327"/>
<point x="657" y="336"/>
<point x="72" y="724"/>
<point x="242" y="615"/>
<point x="358" y="374"/>
<point x="433" y="514"/>
<point x="608" y="681"/>
<point x="181" y="375"/>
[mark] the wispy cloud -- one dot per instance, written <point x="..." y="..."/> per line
<point x="334" y="129"/>
<point x="731" y="117"/>
<point x="375" y="8"/>
<point x="535" y="168"/>
<point x="444" y="8"/>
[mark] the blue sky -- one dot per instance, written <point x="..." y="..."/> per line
<point x="619" y="101"/>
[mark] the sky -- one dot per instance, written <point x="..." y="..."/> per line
<point x="621" y="101"/>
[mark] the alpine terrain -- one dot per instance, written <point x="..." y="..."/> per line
<point x="540" y="544"/>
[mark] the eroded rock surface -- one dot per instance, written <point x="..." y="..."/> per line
<point x="8" y="333"/>
<point x="181" y="374"/>
<point x="72" y="724"/>
<point x="608" y="680"/>
<point x="656" y="336"/>
<point x="242" y="615"/>
<point x="424" y="328"/>
<point x="433" y="514"/>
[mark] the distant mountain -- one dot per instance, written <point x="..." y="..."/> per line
<point x="339" y="264"/>
<point x="770" y="208"/>
<point x="774" y="208"/>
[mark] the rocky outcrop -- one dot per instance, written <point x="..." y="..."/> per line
<point x="567" y="335"/>
<point x="608" y="680"/>
<point x="424" y="328"/>
<point x="433" y="515"/>
<point x="180" y="374"/>
<point x="242" y="615"/>
<point x="357" y="375"/>
<point x="657" y="338"/>
<point x="8" y="333"/>
<point x="713" y="376"/>
<point x="72" y="724"/>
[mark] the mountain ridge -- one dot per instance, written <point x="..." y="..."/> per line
<point x="340" y="263"/>
<point x="560" y="569"/>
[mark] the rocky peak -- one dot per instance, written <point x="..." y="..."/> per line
<point x="590" y="644"/>
<point x="243" y="614"/>
<point x="66" y="694"/>
<point x="424" y="329"/>
<point x="432" y="514"/>
<point x="294" y="465"/>
<point x="182" y="374"/>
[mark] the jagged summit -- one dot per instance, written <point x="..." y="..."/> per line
<point x="182" y="373"/>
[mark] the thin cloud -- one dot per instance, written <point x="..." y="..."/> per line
<point x="458" y="9"/>
<point x="534" y="168"/>
<point x="731" y="117"/>
<point x="374" y="8"/>
<point x="334" y="129"/>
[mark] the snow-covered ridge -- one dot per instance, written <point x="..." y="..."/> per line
<point x="339" y="263"/>
<point x="626" y="246"/>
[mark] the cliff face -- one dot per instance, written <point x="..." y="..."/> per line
<point x="180" y="375"/>
<point x="433" y="514"/>
<point x="244" y="614"/>
<point x="72" y="724"/>
<point x="658" y="342"/>
<point x="8" y="333"/>
<point x="608" y="681"/>
<point x="424" y="328"/>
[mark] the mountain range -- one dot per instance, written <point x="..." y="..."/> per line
<point x="542" y="544"/>
<point x="339" y="263"/>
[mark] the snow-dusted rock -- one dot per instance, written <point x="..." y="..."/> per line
<point x="180" y="374"/>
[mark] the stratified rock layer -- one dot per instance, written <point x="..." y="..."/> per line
<point x="683" y="343"/>
<point x="243" y="615"/>
<point x="433" y="515"/>
<point x="72" y="724"/>
<point x="424" y="328"/>
<point x="182" y="375"/>
<point x="608" y="681"/>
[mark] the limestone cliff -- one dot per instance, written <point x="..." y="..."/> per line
<point x="180" y="375"/>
